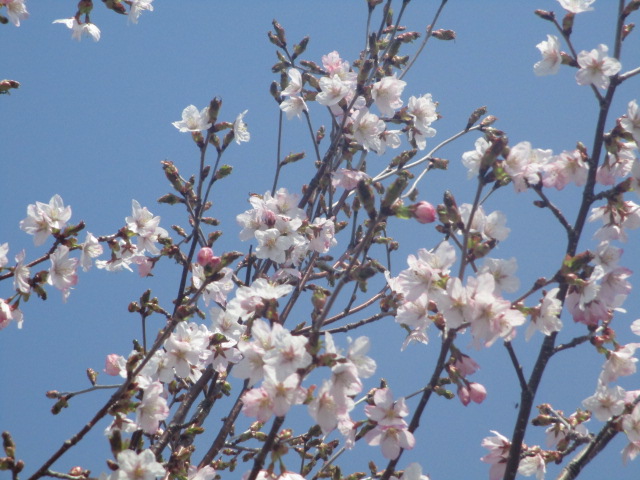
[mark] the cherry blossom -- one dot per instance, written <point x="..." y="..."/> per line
<point x="91" y="248"/>
<point x="423" y="111"/>
<point x="386" y="94"/>
<point x="138" y="466"/>
<point x="607" y="402"/>
<point x="631" y="122"/>
<point x="153" y="408"/>
<point x="551" y="58"/>
<point x="347" y="179"/>
<point x="385" y="412"/>
<point x="391" y="440"/>
<point x="327" y="408"/>
<point x="533" y="465"/>
<point x="546" y="317"/>
<point x="565" y="168"/>
<point x="413" y="471"/>
<point x="525" y="164"/>
<point x="193" y="120"/>
<point x="16" y="10"/>
<point x="42" y="219"/>
<point x="294" y="104"/>
<point x="631" y="425"/>
<point x="596" y="67"/>
<point x="4" y="250"/>
<point x="334" y="65"/>
<point x="79" y="30"/>
<point x="258" y="403"/>
<point x="472" y="159"/>
<point x="205" y="473"/>
<point x="503" y="273"/>
<point x="577" y="6"/>
<point x="367" y="128"/>
<point x="498" y="447"/>
<point x="240" y="131"/>
<point x="333" y="89"/>
<point x="619" y="363"/>
<point x="62" y="273"/>
<point x="137" y="7"/>
<point x="284" y="391"/>
<point x="21" y="274"/>
<point x="146" y="227"/>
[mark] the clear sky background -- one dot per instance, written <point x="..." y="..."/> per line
<point x="92" y="121"/>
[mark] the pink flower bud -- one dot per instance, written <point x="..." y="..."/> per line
<point x="111" y="365"/>
<point x="204" y="256"/>
<point x="424" y="212"/>
<point x="463" y="395"/>
<point x="477" y="392"/>
<point x="207" y="258"/>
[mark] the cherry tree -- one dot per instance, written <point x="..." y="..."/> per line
<point x="260" y="363"/>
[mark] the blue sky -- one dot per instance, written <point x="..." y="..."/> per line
<point x="91" y="122"/>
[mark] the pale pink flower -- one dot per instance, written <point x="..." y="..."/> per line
<point x="184" y="348"/>
<point x="272" y="245"/>
<point x="477" y="392"/>
<point x="631" y="122"/>
<point x="345" y="381"/>
<point x="146" y="226"/>
<point x="21" y="274"/>
<point x="206" y="257"/>
<point x="42" y="219"/>
<point x="498" y="447"/>
<point x="257" y="403"/>
<point x="565" y="168"/>
<point x="367" y="128"/>
<point x="619" y="363"/>
<point x="4" y="250"/>
<point x="16" y="11"/>
<point x="193" y="120"/>
<point x="577" y="6"/>
<point x="327" y="408"/>
<point x="323" y="239"/>
<point x="62" y="273"/>
<point x="391" y="440"/>
<point x="385" y="411"/>
<point x="295" y="83"/>
<point x="115" y="365"/>
<point x="137" y="7"/>
<point x="333" y="89"/>
<point x="503" y="272"/>
<point x="6" y="313"/>
<point x="357" y="354"/>
<point x="138" y="466"/>
<point x="551" y="59"/>
<point x="347" y="179"/>
<point x="631" y="425"/>
<point x="386" y="94"/>
<point x="472" y="159"/>
<point x="334" y="65"/>
<point x="240" y="130"/>
<point x="413" y="471"/>
<point x="596" y="67"/>
<point x="152" y="409"/>
<point x="423" y="111"/>
<point x="289" y="352"/>
<point x="606" y="402"/>
<point x="546" y="316"/>
<point x="205" y="473"/>
<point x="284" y="392"/>
<point x="630" y="452"/>
<point x="79" y="30"/>
<point x="293" y="106"/>
<point x="216" y="291"/>
<point x="91" y="248"/>
<point x="524" y="165"/>
<point x="533" y="465"/>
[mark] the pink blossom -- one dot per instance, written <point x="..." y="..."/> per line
<point x="551" y="58"/>
<point x="138" y="466"/>
<point x="62" y="273"/>
<point x="385" y="412"/>
<point x="79" y="30"/>
<point x="619" y="363"/>
<point x="424" y="212"/>
<point x="153" y="409"/>
<point x="631" y="122"/>
<point x="386" y="94"/>
<point x="328" y="408"/>
<point x="334" y="65"/>
<point x="333" y="89"/>
<point x="136" y="9"/>
<point x="391" y="440"/>
<point x="565" y="168"/>
<point x="596" y="67"/>
<point x="257" y="403"/>
<point x="577" y="6"/>
<point x="631" y="425"/>
<point x="498" y="447"/>
<point x="606" y="402"/>
<point x="193" y="120"/>
<point x="21" y="274"/>
<point x="115" y="365"/>
<point x="16" y="11"/>
<point x="472" y="159"/>
<point x="347" y="179"/>
<point x="367" y="128"/>
<point x="477" y="392"/>
<point x="240" y="130"/>
<point x="42" y="219"/>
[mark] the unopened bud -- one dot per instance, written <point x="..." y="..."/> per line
<point x="477" y="392"/>
<point x="423" y="212"/>
<point x="443" y="34"/>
